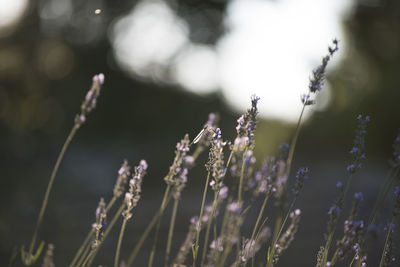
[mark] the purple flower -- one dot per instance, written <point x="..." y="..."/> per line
<point x="357" y="151"/>
<point x="359" y="196"/>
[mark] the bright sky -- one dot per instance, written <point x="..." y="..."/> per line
<point x="11" y="11"/>
<point x="270" y="49"/>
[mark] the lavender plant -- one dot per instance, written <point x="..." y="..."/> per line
<point x="88" y="104"/>
<point x="237" y="180"/>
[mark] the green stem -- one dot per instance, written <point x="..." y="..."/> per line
<point x="49" y="187"/>
<point x="171" y="231"/>
<point x="200" y="218"/>
<point x="257" y="236"/>
<point x="121" y="234"/>
<point x="271" y="258"/>
<point x="210" y="219"/>
<point x="256" y="226"/>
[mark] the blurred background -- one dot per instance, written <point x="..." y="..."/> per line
<point x="168" y="63"/>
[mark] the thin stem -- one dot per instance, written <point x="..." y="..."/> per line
<point x="117" y="215"/>
<point x="84" y="256"/>
<point x="171" y="230"/>
<point x="200" y="218"/>
<point x="82" y="247"/>
<point x="148" y="229"/>
<point x="88" y="258"/>
<point x="50" y="185"/>
<point x="241" y="177"/>
<point x="210" y="219"/>
<point x="162" y="208"/>
<point x="257" y="236"/>
<point x="393" y="172"/>
<point x="330" y="235"/>
<point x="271" y="258"/>
<point x="288" y="170"/>
<point x="121" y="234"/>
<point x="386" y="242"/>
<point x="383" y="194"/>
<point x="293" y="145"/>
<point x="89" y="235"/>
<point x="256" y="226"/>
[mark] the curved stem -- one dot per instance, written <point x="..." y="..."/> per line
<point x="89" y="236"/>
<point x="256" y="227"/>
<point x="121" y="234"/>
<point x="257" y="236"/>
<point x="270" y="262"/>
<point x="117" y="215"/>
<point x="149" y="227"/>
<point x="50" y="185"/>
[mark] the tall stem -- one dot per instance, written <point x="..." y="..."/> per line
<point x="50" y="185"/>
<point x="200" y="219"/>
<point x="121" y="234"/>
<point x="210" y="219"/>
<point x="162" y="208"/>
<point x="256" y="227"/>
<point x="330" y="235"/>
<point x="149" y="227"/>
<point x="289" y="161"/>
<point x="275" y="240"/>
<point x="110" y="226"/>
<point x="171" y="230"/>
<point x="89" y="235"/>
<point x="386" y="242"/>
<point x="241" y="177"/>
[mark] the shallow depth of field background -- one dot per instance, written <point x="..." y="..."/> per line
<point x="167" y="65"/>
